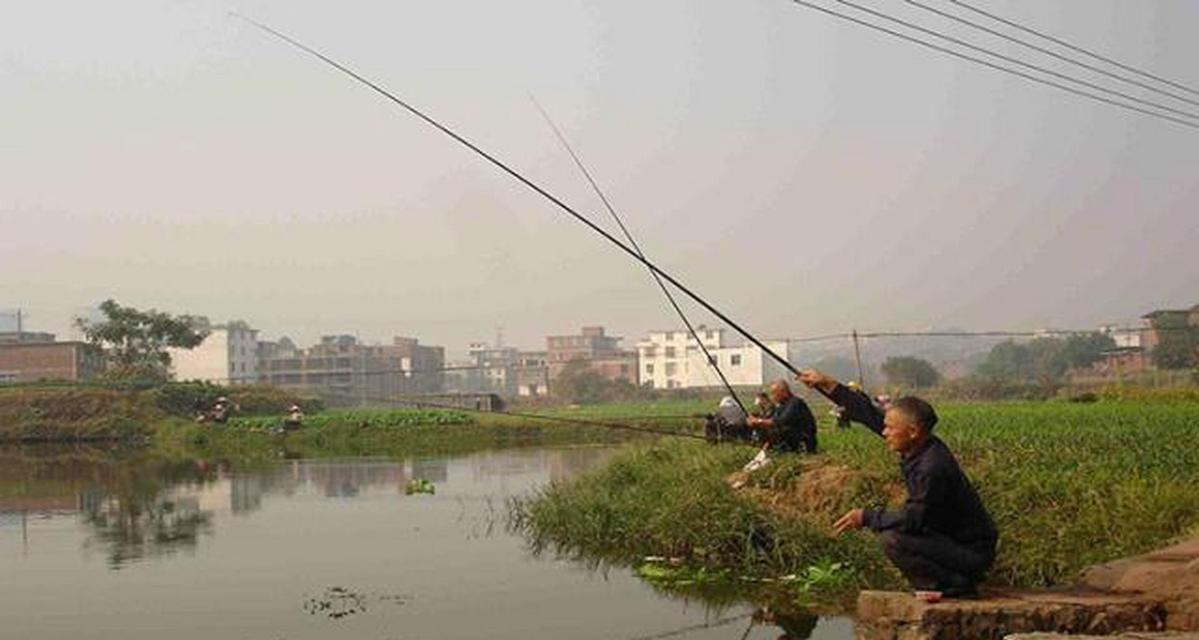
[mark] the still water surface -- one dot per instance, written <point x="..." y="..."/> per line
<point x="93" y="547"/>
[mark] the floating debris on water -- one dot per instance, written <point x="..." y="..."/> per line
<point x="420" y="485"/>
<point x="339" y="602"/>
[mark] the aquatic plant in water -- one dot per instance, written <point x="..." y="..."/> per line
<point x="420" y="485"/>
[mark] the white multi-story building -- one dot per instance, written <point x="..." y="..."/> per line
<point x="673" y="360"/>
<point x="1124" y="337"/>
<point x="662" y="357"/>
<point x="229" y="355"/>
<point x="743" y="365"/>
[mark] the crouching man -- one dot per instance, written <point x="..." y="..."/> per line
<point x="942" y="540"/>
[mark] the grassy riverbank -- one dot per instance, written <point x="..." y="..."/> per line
<point x="1069" y="485"/>
<point x="375" y="432"/>
<point x="160" y="418"/>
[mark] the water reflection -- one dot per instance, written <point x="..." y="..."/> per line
<point x="798" y="625"/>
<point x="130" y="528"/>
<point x="137" y="506"/>
<point x="795" y="625"/>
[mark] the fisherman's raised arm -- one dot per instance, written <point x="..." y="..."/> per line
<point x="857" y="406"/>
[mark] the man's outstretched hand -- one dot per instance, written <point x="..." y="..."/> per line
<point x="851" y="521"/>
<point x="817" y="380"/>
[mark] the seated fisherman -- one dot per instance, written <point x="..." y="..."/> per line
<point x="294" y="419"/>
<point x="763" y="407"/>
<point x="791" y="426"/>
<point x="943" y="539"/>
<point x="728" y="423"/>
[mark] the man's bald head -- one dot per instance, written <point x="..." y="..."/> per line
<point x="780" y="391"/>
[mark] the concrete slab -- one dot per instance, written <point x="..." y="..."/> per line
<point x="1138" y="596"/>
<point x="889" y="615"/>
<point x="1164" y="635"/>
<point x="1170" y="575"/>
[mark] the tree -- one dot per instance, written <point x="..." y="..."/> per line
<point x="135" y="342"/>
<point x="1044" y="360"/>
<point x="1085" y="349"/>
<point x="909" y="371"/>
<point x="1178" y="341"/>
<point x="579" y="383"/>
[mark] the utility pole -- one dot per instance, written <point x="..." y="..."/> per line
<point x="857" y="354"/>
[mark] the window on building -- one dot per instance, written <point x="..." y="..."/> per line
<point x="735" y="360"/>
<point x="649" y="369"/>
<point x="714" y="360"/>
<point x="671" y="368"/>
<point x="710" y="334"/>
<point x="669" y="336"/>
<point x="669" y="352"/>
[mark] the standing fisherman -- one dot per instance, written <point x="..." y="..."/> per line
<point x="942" y="540"/>
<point x="791" y="426"/>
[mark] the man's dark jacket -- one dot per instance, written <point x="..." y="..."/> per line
<point x="794" y="426"/>
<point x="940" y="497"/>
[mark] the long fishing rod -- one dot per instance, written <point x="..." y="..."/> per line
<point x="528" y="183"/>
<point x="632" y="242"/>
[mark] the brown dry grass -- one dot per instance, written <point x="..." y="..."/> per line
<point x="823" y="489"/>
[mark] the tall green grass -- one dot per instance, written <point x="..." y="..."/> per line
<point x="1069" y="485"/>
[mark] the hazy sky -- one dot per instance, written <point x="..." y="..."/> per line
<point x="805" y="174"/>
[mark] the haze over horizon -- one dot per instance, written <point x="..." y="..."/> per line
<point x="805" y="175"/>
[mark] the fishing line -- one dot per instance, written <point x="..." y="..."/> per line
<point x="526" y="182"/>
<point x="528" y="416"/>
<point x="620" y="223"/>
<point x="721" y="622"/>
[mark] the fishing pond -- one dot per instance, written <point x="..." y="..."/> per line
<point x="106" y="544"/>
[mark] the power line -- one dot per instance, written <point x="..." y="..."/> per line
<point x="1041" y="34"/>
<point x="992" y="65"/>
<point x="356" y="374"/>
<point x="1049" y="52"/>
<point x="1013" y="60"/>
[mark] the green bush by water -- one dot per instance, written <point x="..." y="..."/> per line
<point x="361" y="419"/>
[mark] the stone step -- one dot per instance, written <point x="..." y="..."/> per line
<point x="1141" y="635"/>
<point x="890" y="615"/>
